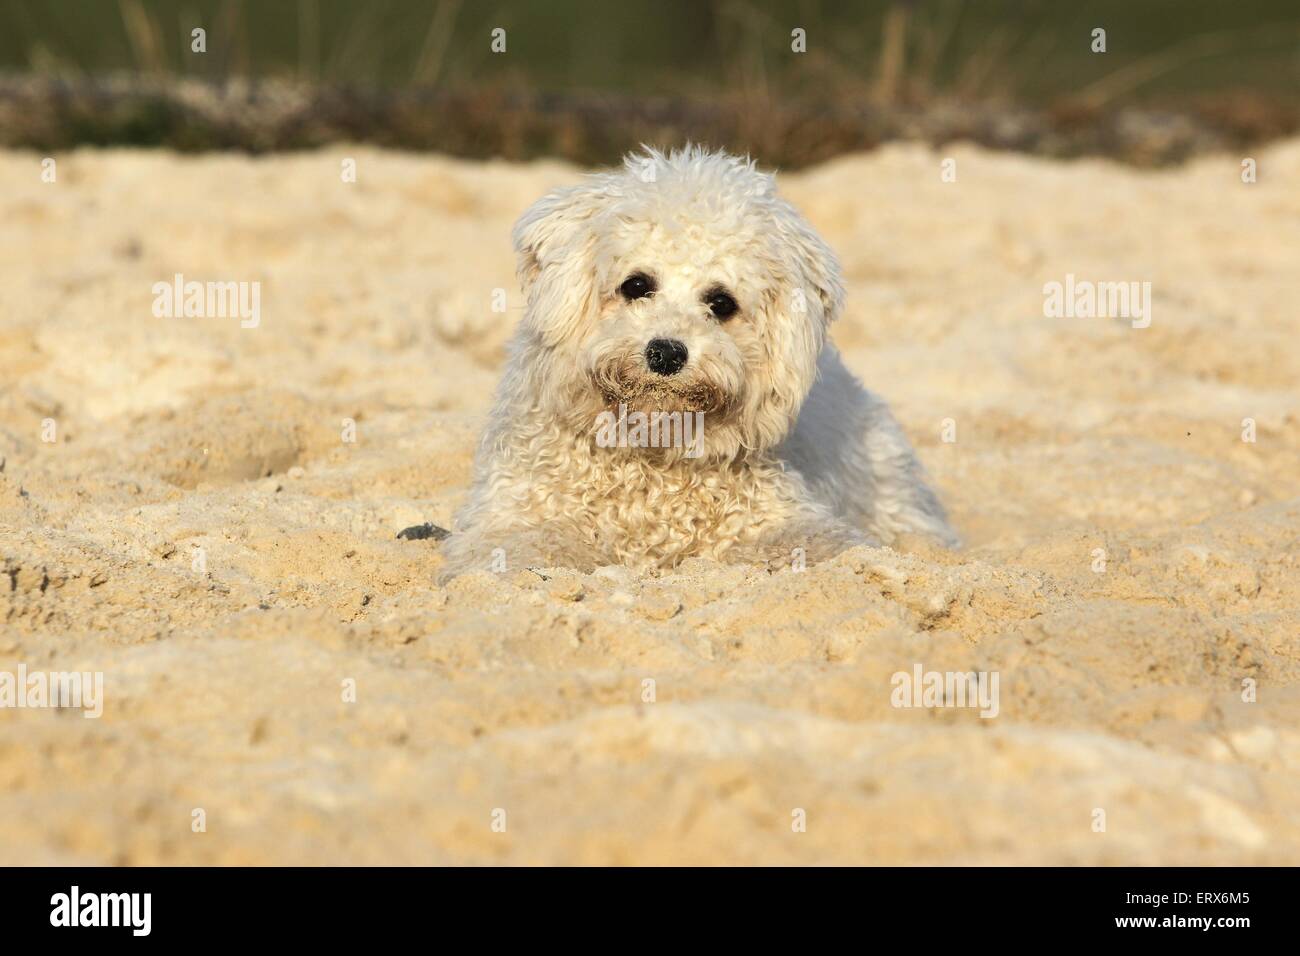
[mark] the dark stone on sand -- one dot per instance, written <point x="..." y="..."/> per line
<point x="420" y="532"/>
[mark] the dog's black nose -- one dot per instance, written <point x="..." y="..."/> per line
<point x="665" y="356"/>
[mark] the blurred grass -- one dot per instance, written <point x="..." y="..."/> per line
<point x="1029" y="50"/>
<point x="649" y="68"/>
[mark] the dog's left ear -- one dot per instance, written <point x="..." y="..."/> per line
<point x="818" y="269"/>
<point x="555" y="244"/>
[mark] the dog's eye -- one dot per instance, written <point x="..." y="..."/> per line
<point x="721" y="305"/>
<point x="636" y="286"/>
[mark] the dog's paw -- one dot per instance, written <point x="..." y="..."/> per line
<point x="802" y="544"/>
<point x="420" y="532"/>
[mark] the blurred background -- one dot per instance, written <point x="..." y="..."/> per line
<point x="581" y="80"/>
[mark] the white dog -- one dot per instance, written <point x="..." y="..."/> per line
<point x="680" y="302"/>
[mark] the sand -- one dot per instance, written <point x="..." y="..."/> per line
<point x="202" y="533"/>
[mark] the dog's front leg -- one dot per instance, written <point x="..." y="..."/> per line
<point x="800" y="543"/>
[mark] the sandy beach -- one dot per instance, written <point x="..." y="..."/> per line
<point x="206" y="513"/>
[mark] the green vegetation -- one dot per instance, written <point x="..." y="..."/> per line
<point x="1032" y="50"/>
<point x="655" y="68"/>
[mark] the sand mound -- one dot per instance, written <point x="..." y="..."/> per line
<point x="213" y="525"/>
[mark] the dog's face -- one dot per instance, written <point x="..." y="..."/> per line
<point x="682" y="284"/>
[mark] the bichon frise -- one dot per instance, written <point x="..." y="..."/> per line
<point x="670" y="391"/>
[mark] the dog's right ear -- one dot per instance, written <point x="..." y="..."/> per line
<point x="555" y="242"/>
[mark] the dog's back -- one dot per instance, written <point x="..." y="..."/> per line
<point x="855" y="457"/>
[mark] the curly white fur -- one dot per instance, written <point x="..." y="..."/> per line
<point x="796" y="454"/>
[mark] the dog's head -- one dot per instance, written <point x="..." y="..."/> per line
<point x="681" y="283"/>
